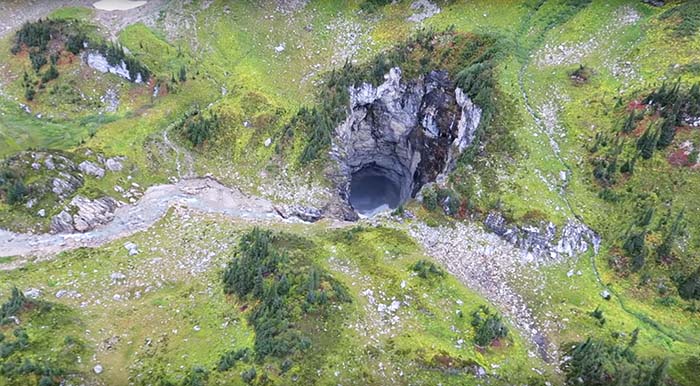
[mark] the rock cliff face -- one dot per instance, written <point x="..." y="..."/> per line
<point x="543" y="242"/>
<point x="410" y="132"/>
<point x="99" y="62"/>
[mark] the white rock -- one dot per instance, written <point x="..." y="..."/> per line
<point x="132" y="248"/>
<point x="117" y="276"/>
<point x="32" y="293"/>
<point x="98" y="369"/>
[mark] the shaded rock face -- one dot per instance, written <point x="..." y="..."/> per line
<point x="87" y="214"/>
<point x="544" y="242"/>
<point x="403" y="135"/>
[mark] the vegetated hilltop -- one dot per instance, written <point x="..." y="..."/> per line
<point x="557" y="244"/>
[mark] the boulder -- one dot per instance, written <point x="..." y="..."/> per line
<point x="91" y="213"/>
<point x="304" y="213"/>
<point x="92" y="169"/>
<point x="62" y="223"/>
<point x="65" y="184"/>
<point x="114" y="164"/>
<point x="32" y="293"/>
<point x="87" y="214"/>
<point x="132" y="248"/>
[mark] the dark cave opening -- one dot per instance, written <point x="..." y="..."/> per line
<point x="374" y="189"/>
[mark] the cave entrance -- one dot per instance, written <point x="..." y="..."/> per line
<point x="374" y="189"/>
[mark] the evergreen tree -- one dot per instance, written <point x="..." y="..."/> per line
<point x="645" y="219"/>
<point x="664" y="249"/>
<point x="634" y="337"/>
<point x="636" y="248"/>
<point x="50" y="74"/>
<point x="630" y="123"/>
<point x="13" y="305"/>
<point x="183" y="74"/>
<point x="628" y="166"/>
<point x="16" y="192"/>
<point x="258" y="286"/>
<point x="667" y="133"/>
<point x="689" y="287"/>
<point x="693" y="101"/>
<point x="647" y="143"/>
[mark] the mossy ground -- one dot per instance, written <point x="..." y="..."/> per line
<point x="173" y="289"/>
<point x="266" y="88"/>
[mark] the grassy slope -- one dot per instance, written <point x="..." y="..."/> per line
<point x="244" y="49"/>
<point x="171" y="287"/>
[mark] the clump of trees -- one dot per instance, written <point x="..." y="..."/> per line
<point x="686" y="18"/>
<point x="36" y="36"/>
<point x="229" y="359"/>
<point x="427" y="269"/>
<point x="435" y="197"/>
<point x="488" y="327"/>
<point x="689" y="286"/>
<point x="594" y="362"/>
<point x="115" y="55"/>
<point x="199" y="127"/>
<point x="12" y="306"/>
<point x="636" y="245"/>
<point x="671" y="104"/>
<point x="12" y="187"/>
<point x="282" y="286"/>
<point x="19" y="366"/>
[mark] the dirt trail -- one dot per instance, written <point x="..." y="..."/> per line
<point x="202" y="194"/>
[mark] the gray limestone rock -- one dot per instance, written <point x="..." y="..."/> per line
<point x="544" y="242"/>
<point x="411" y="131"/>
<point x="114" y="164"/>
<point x="92" y="169"/>
<point x="86" y="215"/>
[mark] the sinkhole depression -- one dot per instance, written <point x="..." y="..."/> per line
<point x="372" y="190"/>
<point x="399" y="136"/>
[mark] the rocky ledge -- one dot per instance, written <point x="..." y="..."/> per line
<point x="544" y="242"/>
<point x="83" y="214"/>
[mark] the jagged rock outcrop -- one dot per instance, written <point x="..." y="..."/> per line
<point x="423" y="9"/>
<point x="99" y="62"/>
<point x="303" y="213"/>
<point x="92" y="169"/>
<point x="409" y="131"/>
<point x="84" y="214"/>
<point x="544" y="242"/>
<point x="115" y="164"/>
<point x="65" y="184"/>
